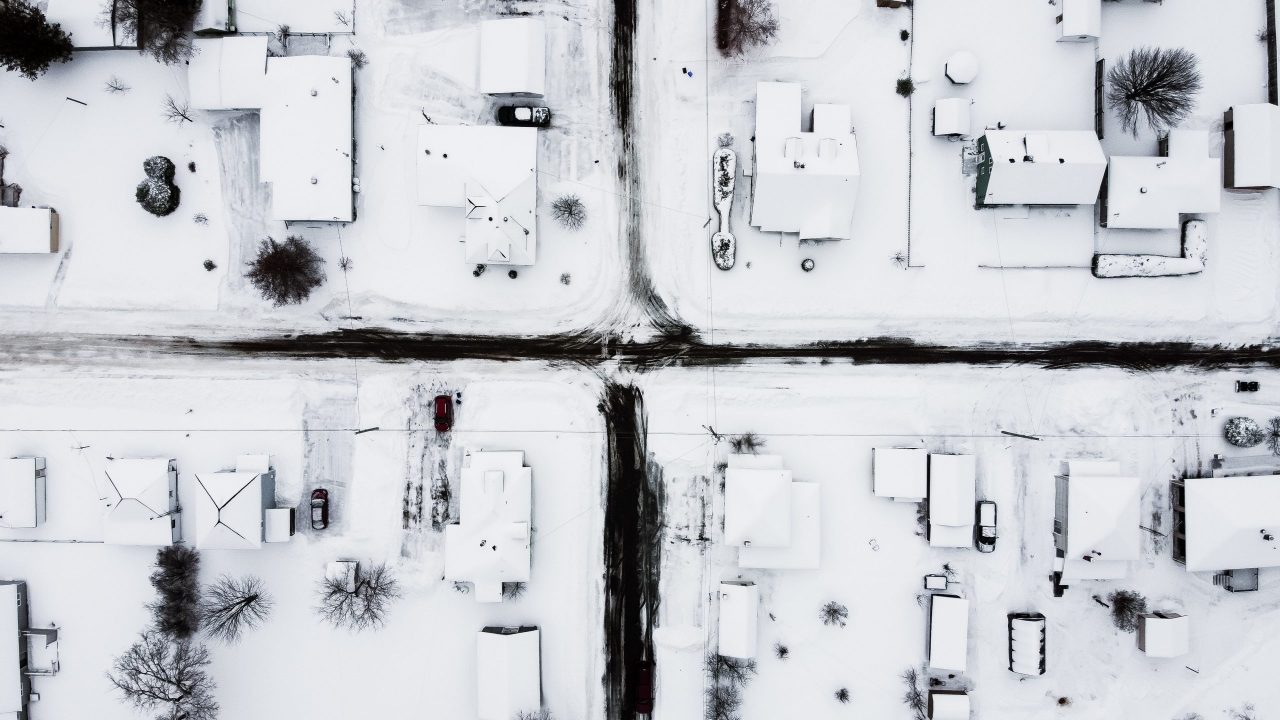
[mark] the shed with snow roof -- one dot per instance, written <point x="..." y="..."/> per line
<point x="1063" y="167"/>
<point x="22" y="492"/>
<point x="1027" y="643"/>
<point x="1080" y="20"/>
<point x="1164" y="634"/>
<point x="1096" y="519"/>
<point x="952" y="117"/>
<point x="513" y="56"/>
<point x="489" y="545"/>
<point x="952" y="499"/>
<point x="739" y="619"/>
<point x="1251" y="154"/>
<point x="508" y="672"/>
<point x="948" y="633"/>
<point x="948" y="705"/>
<point x="144" y="505"/>
<point x="900" y="473"/>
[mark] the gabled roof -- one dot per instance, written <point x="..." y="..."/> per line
<point x="1229" y="521"/>
<point x="145" y="493"/>
<point x="952" y="499"/>
<point x="1029" y="167"/>
<point x="804" y="548"/>
<point x="508" y="672"/>
<point x="513" y="55"/>
<point x="229" y="510"/>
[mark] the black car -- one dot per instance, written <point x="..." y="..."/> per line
<point x="319" y="509"/>
<point x="524" y="116"/>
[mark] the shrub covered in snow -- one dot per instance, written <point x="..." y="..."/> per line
<point x="157" y="194"/>
<point x="833" y="613"/>
<point x="1244" y="432"/>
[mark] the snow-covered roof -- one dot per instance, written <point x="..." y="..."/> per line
<point x="27" y="230"/>
<point x="962" y="67"/>
<point x="1152" y="192"/>
<point x="228" y="73"/>
<point x="1103" y="514"/>
<point x="900" y="473"/>
<point x="948" y="705"/>
<point x="146" y="492"/>
<point x="1229" y="521"/>
<point x="508" y="672"/>
<point x="490" y="543"/>
<point x="757" y="506"/>
<point x="229" y="509"/>
<point x="491" y="173"/>
<point x="1253" y="146"/>
<point x="301" y="16"/>
<point x="84" y="21"/>
<point x="1063" y="167"/>
<point x="1080" y="19"/>
<point x="948" y="633"/>
<point x="804" y="548"/>
<point x="1026" y="645"/>
<point x="806" y="182"/>
<point x="1165" y="635"/>
<point x="20" y="492"/>
<point x="12" y="701"/>
<point x="952" y="499"/>
<point x="952" y="116"/>
<point x="214" y="16"/>
<point x="307" y="138"/>
<point x="739" y="619"/>
<point x="278" y="524"/>
<point x="513" y="54"/>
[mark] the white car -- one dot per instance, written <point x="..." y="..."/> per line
<point x="985" y="535"/>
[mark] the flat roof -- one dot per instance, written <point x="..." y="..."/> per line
<point x="1065" y="167"/>
<point x="739" y="619"/>
<point x="513" y="54"/>
<point x="1151" y="193"/>
<point x="508" y="673"/>
<point x="900" y="473"/>
<point x="11" y="699"/>
<point x="757" y="507"/>
<point x="1166" y="637"/>
<point x="952" y="499"/>
<point x="948" y="633"/>
<point x="228" y="73"/>
<point x="1256" y="137"/>
<point x="18" y="487"/>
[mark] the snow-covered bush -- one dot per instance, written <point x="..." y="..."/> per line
<point x="1154" y="85"/>
<point x="157" y="194"/>
<point x="744" y="24"/>
<point x="747" y="442"/>
<point x="1244" y="432"/>
<point x="286" y="273"/>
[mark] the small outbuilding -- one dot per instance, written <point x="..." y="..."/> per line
<point x="962" y="67"/>
<point x="952" y="117"/>
<point x="1062" y="167"/>
<point x="508" y="672"/>
<point x="22" y="492"/>
<point x="1027" y="643"/>
<point x="1251" y="155"/>
<point x="948" y="633"/>
<point x="28" y="230"/>
<point x="900" y="473"/>
<point x="143" y="506"/>
<point x="513" y="56"/>
<point x="953" y="481"/>
<point x="1164" y="634"/>
<point x="949" y="705"/>
<point x="739" y="619"/>
<point x="1080" y="20"/>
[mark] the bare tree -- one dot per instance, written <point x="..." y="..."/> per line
<point x="842" y="696"/>
<point x="736" y="671"/>
<point x="1154" y="85"/>
<point x="233" y="605"/>
<point x="747" y="442"/>
<point x="176" y="111"/>
<point x="569" y="211"/>
<point x="358" y="58"/>
<point x="833" y="613"/>
<point x="723" y="702"/>
<point x="116" y="85"/>
<point x="743" y="24"/>
<point x="914" y="697"/>
<point x="286" y="273"/>
<point x="363" y="608"/>
<point x="166" y="676"/>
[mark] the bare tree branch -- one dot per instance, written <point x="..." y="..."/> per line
<point x="365" y="608"/>
<point x="165" y="675"/>
<point x="233" y="605"/>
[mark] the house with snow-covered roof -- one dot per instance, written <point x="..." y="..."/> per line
<point x="1226" y="523"/>
<point x="489" y="545"/>
<point x="508" y="672"/>
<point x="953" y="486"/>
<point x="1026" y="167"/>
<point x="230" y="505"/>
<point x="773" y="520"/>
<point x="804" y="181"/>
<point x="1153" y="193"/>
<point x="143" y="506"/>
<point x="1096" y="520"/>
<point x="1251" y="154"/>
<point x="490" y="173"/>
<point x="22" y="492"/>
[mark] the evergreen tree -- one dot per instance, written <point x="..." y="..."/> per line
<point x="29" y="43"/>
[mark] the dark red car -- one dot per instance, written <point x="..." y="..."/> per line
<point x="319" y="509"/>
<point x="644" y="688"/>
<point x="442" y="409"/>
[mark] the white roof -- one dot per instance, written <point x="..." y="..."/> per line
<point x="491" y="173"/>
<point x="1066" y="167"/>
<point x="952" y="116"/>
<point x="26" y="230"/>
<point x="804" y="549"/>
<point x="18" y="488"/>
<point x="229" y="510"/>
<point x="513" y="54"/>
<point x="1103" y="514"/>
<point x="508" y="673"/>
<point x="1166" y="637"/>
<point x="278" y="524"/>
<point x="805" y="182"/>
<point x="900" y="473"/>
<point x="739" y="619"/>
<point x="1152" y="192"/>
<point x="83" y="21"/>
<point x="952" y="499"/>
<point x="490" y="543"/>
<point x="757" y="507"/>
<point x="1256" y="138"/>
<point x="307" y="137"/>
<point x="302" y="16"/>
<point x="948" y="633"/>
<point x="11" y="700"/>
<point x="962" y="67"/>
<point x="145" y="490"/>
<point x="1081" y="19"/>
<point x="1026" y="636"/>
<point x="1228" y="521"/>
<point x="228" y="73"/>
<point x="948" y="706"/>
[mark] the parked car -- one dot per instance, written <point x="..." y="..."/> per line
<point x="319" y="509"/>
<point x="986" y="533"/>
<point x="1247" y="386"/>
<point x="442" y="409"/>
<point x="524" y="116"/>
<point x="644" y="688"/>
